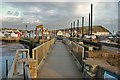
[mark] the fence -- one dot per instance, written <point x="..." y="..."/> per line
<point x="22" y="55"/>
<point x="39" y="53"/>
<point x="76" y="50"/>
<point x="25" y="67"/>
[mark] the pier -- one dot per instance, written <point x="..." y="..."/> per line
<point x="67" y="51"/>
<point x="61" y="59"/>
<point x="9" y="39"/>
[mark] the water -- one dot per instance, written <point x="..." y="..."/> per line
<point x="7" y="52"/>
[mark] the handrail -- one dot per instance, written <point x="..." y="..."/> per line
<point x="74" y="47"/>
<point x="40" y="52"/>
<point x="13" y="69"/>
<point x="76" y="50"/>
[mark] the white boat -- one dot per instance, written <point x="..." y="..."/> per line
<point x="14" y="34"/>
<point x="1" y="34"/>
<point x="90" y="36"/>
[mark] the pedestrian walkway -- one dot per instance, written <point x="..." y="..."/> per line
<point x="59" y="64"/>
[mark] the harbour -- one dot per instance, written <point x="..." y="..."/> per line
<point x="77" y="48"/>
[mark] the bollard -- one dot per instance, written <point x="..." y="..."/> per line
<point x="6" y="68"/>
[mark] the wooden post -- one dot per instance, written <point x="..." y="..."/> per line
<point x="82" y="26"/>
<point x="91" y="16"/>
<point x="22" y="55"/>
<point x="71" y="31"/>
<point x="89" y="25"/>
<point x="24" y="70"/>
<point x="91" y="20"/>
<point x="6" y="68"/>
<point x="74" y="29"/>
<point x="77" y="30"/>
<point x="42" y="35"/>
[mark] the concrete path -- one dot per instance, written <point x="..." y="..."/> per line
<point x="59" y="64"/>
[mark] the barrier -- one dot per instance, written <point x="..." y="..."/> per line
<point x="22" y="55"/>
<point x="76" y="50"/>
<point x="39" y="53"/>
<point x="25" y="67"/>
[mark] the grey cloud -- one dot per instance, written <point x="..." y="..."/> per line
<point x="61" y="14"/>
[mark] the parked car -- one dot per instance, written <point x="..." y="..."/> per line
<point x="60" y="37"/>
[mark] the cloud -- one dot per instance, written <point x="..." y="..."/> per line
<point x="61" y="1"/>
<point x="61" y="14"/>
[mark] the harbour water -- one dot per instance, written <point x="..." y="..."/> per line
<point x="7" y="52"/>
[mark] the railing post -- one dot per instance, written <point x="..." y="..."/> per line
<point x="24" y="70"/>
<point x="22" y="55"/>
<point x="6" y="68"/>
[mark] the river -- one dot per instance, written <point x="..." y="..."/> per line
<point x="7" y="52"/>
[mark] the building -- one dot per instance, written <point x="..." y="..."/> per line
<point x="101" y="33"/>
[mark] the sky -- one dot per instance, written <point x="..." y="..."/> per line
<point x="57" y="15"/>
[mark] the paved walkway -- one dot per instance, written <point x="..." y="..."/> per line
<point x="59" y="64"/>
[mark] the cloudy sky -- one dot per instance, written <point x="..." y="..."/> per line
<point x="57" y="15"/>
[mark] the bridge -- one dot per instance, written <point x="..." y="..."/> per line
<point x="59" y="59"/>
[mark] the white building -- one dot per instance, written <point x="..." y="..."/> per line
<point x="59" y="33"/>
<point x="101" y="33"/>
<point x="14" y="35"/>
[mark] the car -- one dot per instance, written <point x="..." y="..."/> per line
<point x="59" y="37"/>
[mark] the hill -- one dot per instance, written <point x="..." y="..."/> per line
<point x="97" y="28"/>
